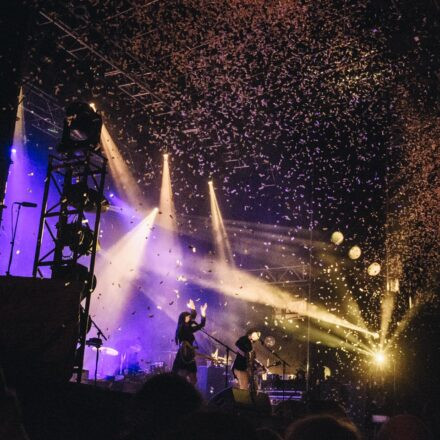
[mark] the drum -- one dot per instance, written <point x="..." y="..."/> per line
<point x="158" y="368"/>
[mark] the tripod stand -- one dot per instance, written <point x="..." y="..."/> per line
<point x="97" y="343"/>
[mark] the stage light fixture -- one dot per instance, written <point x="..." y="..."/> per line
<point x="355" y="252"/>
<point x="337" y="237"/>
<point x="81" y="128"/>
<point x="393" y="285"/>
<point x="78" y="237"/>
<point x="269" y="341"/>
<point x="80" y="193"/>
<point x="379" y="358"/>
<point x="373" y="269"/>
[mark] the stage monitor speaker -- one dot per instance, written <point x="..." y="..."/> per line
<point x="210" y="380"/>
<point x="234" y="400"/>
<point x="39" y="323"/>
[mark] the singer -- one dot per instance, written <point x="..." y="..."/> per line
<point x="244" y="362"/>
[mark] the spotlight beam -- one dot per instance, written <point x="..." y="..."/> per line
<point x="230" y="281"/>
<point x="124" y="180"/>
<point x="221" y="240"/>
<point x="167" y="219"/>
<point x="116" y="269"/>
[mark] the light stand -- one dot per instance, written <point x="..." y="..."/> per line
<point x="283" y="362"/>
<point x="97" y="343"/>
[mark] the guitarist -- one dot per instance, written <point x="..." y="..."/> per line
<point x="244" y="364"/>
<point x="185" y="362"/>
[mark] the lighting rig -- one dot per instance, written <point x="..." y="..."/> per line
<point x="75" y="179"/>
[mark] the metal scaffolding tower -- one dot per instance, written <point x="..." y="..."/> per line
<point x="74" y="185"/>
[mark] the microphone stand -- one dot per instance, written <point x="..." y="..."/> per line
<point x="97" y="343"/>
<point x="228" y="350"/>
<point x="283" y="362"/>
<point x="14" y="233"/>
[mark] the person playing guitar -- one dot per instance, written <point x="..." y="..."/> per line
<point x="185" y="362"/>
<point x="245" y="364"/>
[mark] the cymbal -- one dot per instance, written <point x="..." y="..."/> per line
<point x="107" y="350"/>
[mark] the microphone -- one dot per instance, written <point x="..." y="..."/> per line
<point x="27" y="204"/>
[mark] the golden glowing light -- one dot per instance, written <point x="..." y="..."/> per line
<point x="19" y="134"/>
<point x="167" y="219"/>
<point x="379" y="358"/>
<point x="393" y="285"/>
<point x="126" y="184"/>
<point x="239" y="284"/>
<point x="373" y="269"/>
<point x="337" y="237"/>
<point x="93" y="106"/>
<point x="349" y="305"/>
<point x="165" y="252"/>
<point x="221" y="240"/>
<point x="355" y="252"/>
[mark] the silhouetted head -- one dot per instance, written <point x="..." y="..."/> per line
<point x="214" y="425"/>
<point x="161" y="403"/>
<point x="322" y="427"/>
<point x="184" y="318"/>
<point x="404" y="427"/>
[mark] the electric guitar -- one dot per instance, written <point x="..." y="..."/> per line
<point x="188" y="354"/>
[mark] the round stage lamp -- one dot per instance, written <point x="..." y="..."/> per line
<point x="80" y="194"/>
<point x="355" y="252"/>
<point x="79" y="237"/>
<point x="337" y="237"/>
<point x="373" y="269"/>
<point x="269" y="341"/>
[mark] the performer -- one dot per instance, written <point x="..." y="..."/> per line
<point x="185" y="362"/>
<point x="244" y="361"/>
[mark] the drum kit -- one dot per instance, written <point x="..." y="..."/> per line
<point x="115" y="365"/>
<point x="126" y="366"/>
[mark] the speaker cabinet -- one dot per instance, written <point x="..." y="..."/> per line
<point x="238" y="401"/>
<point x="210" y="380"/>
<point x="39" y="329"/>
